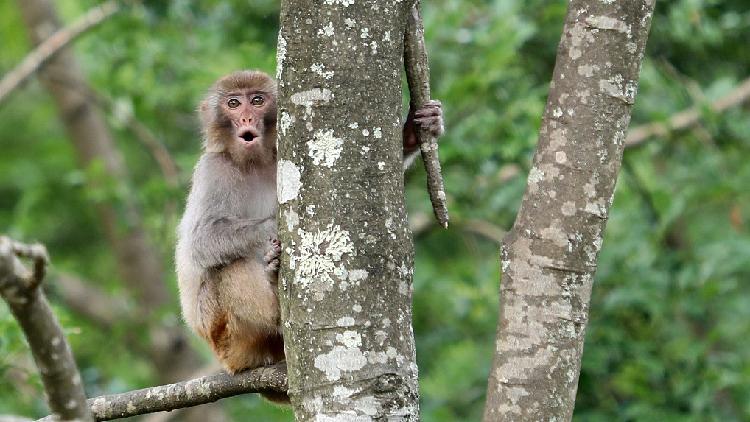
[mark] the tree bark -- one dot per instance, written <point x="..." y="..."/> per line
<point x="347" y="257"/>
<point x="549" y="256"/>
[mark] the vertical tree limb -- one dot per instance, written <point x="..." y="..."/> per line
<point x="347" y="262"/>
<point x="418" y="77"/>
<point x="21" y="290"/>
<point x="549" y="256"/>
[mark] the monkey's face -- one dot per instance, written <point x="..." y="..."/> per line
<point x="248" y="120"/>
<point x="239" y="118"/>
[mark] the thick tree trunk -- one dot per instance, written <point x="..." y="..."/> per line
<point x="549" y="257"/>
<point x="347" y="253"/>
<point x="138" y="262"/>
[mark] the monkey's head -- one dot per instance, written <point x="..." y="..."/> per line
<point x="239" y="117"/>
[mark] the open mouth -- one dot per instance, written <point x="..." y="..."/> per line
<point x="248" y="136"/>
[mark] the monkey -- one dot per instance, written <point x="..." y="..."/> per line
<point x="227" y="252"/>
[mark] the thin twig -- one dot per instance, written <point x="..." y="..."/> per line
<point x="52" y="355"/>
<point x="418" y="76"/>
<point x="187" y="393"/>
<point x="687" y="118"/>
<point x="56" y="42"/>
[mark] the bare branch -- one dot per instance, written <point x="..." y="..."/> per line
<point x="52" y="355"/>
<point x="39" y="56"/>
<point x="418" y="76"/>
<point x="187" y="393"/>
<point x="687" y="118"/>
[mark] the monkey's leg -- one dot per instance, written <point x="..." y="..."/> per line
<point x="249" y="336"/>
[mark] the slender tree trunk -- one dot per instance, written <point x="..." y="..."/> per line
<point x="138" y="262"/>
<point x="347" y="258"/>
<point x="549" y="257"/>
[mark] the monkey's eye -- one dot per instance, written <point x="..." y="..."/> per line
<point x="257" y="100"/>
<point x="233" y="103"/>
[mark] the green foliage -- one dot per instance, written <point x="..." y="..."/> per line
<point x="668" y="338"/>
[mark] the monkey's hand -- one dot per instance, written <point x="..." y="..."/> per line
<point x="271" y="259"/>
<point x="429" y="117"/>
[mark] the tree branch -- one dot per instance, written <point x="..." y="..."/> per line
<point x="418" y="77"/>
<point x="687" y="118"/>
<point x="20" y="288"/>
<point x="39" y="56"/>
<point x="187" y="393"/>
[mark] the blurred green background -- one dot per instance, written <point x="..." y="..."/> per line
<point x="669" y="334"/>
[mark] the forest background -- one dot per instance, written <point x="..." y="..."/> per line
<point x="669" y="334"/>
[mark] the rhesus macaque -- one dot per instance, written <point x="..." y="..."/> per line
<point x="227" y="251"/>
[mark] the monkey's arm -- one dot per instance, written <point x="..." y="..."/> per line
<point x="217" y="241"/>
<point x="212" y="229"/>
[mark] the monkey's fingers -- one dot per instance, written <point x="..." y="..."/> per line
<point x="273" y="266"/>
<point x="430" y="108"/>
<point x="433" y="124"/>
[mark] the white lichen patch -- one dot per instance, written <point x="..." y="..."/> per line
<point x="365" y="33"/>
<point x="326" y="31"/>
<point x="568" y="209"/>
<point x="561" y="157"/>
<point x="346" y="321"/>
<point x="558" y="138"/>
<point x="280" y="56"/>
<point x="292" y="219"/>
<point x="609" y="23"/>
<point x="579" y="35"/>
<point x="583" y="96"/>
<point x="588" y="70"/>
<point x="325" y="148"/>
<point x="349" y="339"/>
<point x="288" y="181"/>
<point x="320" y="70"/>
<point x="358" y="275"/>
<point x="535" y="176"/>
<point x="377" y="133"/>
<point x="319" y="255"/>
<point x="555" y="235"/>
<point x="312" y="97"/>
<point x="350" y="23"/>
<point x="345" y="3"/>
<point x="345" y="356"/>
<point x="286" y="122"/>
<point x="346" y="416"/>
<point x="618" y="87"/>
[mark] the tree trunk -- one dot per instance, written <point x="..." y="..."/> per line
<point x="138" y="262"/>
<point x="549" y="257"/>
<point x="347" y="258"/>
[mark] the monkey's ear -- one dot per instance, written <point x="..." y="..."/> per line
<point x="204" y="112"/>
